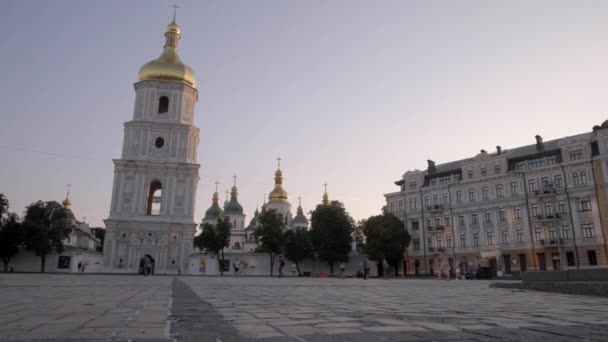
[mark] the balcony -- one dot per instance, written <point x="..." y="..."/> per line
<point x="435" y="207"/>
<point x="547" y="190"/>
<point x="550" y="217"/>
<point x="552" y="242"/>
<point x="429" y="228"/>
<point x="441" y="228"/>
<point x="431" y="249"/>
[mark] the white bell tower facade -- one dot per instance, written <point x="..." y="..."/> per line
<point x="155" y="180"/>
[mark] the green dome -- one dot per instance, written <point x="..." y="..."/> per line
<point x="233" y="207"/>
<point x="300" y="218"/>
<point x="214" y="212"/>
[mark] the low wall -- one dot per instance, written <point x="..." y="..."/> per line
<point x="258" y="264"/>
<point x="580" y="275"/>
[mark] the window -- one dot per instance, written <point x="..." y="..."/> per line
<point x="416" y="244"/>
<point x="415" y="225"/>
<point x="517" y="212"/>
<point x="411" y="204"/>
<point x="428" y="222"/>
<point x="514" y="188"/>
<point x="496" y="169"/>
<point x="538" y="234"/>
<point x="583" y="177"/>
<point x="545" y="182"/>
<point x="575" y="179"/>
<point x="437" y="222"/>
<point x="475" y="239"/>
<point x="470" y="174"/>
<point x="439" y="242"/>
<point x="549" y="209"/>
<point x="570" y="259"/>
<point x="429" y="243"/>
<point x="551" y="160"/>
<point x="163" y="104"/>
<point x="474" y="218"/>
<point x="415" y="203"/>
<point x="459" y="197"/>
<point x="499" y="190"/>
<point x="446" y="220"/>
<point x="490" y="238"/>
<point x="435" y="200"/>
<point x="154" y="198"/>
<point x="535" y="210"/>
<point x="504" y="237"/>
<point x="592" y="258"/>
<point x="448" y="241"/>
<point x="552" y="235"/>
<point x="471" y="195"/>
<point x="463" y="240"/>
<point x="392" y="207"/>
<point x="584" y="204"/>
<point x="566" y="233"/>
<point x="484" y="172"/>
<point x="532" y="184"/>
<point x="427" y="202"/>
<point x="588" y="231"/>
<point x="561" y="205"/>
<point x="461" y="219"/>
<point x="413" y="186"/>
<point x="484" y="192"/>
<point x="124" y="235"/>
<point x="576" y="154"/>
<point x="502" y="214"/>
<point x="520" y="236"/>
<point x="434" y="181"/>
<point x="557" y="181"/>
<point x="159" y="142"/>
<point x="401" y="205"/>
<point x="520" y="166"/>
<point x="488" y="216"/>
<point x="445" y="198"/>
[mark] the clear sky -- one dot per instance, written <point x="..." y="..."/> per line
<point x="345" y="91"/>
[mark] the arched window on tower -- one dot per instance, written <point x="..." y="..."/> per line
<point x="154" y="198"/>
<point x="163" y="104"/>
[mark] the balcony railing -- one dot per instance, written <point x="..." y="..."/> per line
<point x="431" y="249"/>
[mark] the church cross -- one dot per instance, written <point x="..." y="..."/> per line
<point x="68" y="193"/>
<point x="325" y="185"/>
<point x="279" y="162"/>
<point x="234" y="179"/>
<point x="216" y="184"/>
<point x="175" y="7"/>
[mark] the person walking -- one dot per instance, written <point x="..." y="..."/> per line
<point x="281" y="265"/>
<point x="294" y="269"/>
<point x="386" y="269"/>
<point x="147" y="266"/>
<point x="365" y="268"/>
<point x="342" y="269"/>
<point x="237" y="266"/>
<point x="79" y="266"/>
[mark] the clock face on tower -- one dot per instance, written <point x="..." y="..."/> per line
<point x="159" y="142"/>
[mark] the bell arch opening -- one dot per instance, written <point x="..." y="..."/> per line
<point x="163" y="104"/>
<point x="154" y="198"/>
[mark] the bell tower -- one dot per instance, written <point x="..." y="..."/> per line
<point x="155" y="180"/>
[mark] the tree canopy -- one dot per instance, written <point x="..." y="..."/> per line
<point x="269" y="234"/>
<point x="386" y="238"/>
<point x="297" y="246"/>
<point x="11" y="233"/>
<point x="214" y="238"/>
<point x="332" y="230"/>
<point x="46" y="226"/>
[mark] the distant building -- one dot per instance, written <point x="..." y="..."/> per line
<point x="538" y="207"/>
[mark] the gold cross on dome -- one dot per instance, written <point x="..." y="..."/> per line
<point x="325" y="185"/>
<point x="216" y="184"/>
<point x="234" y="179"/>
<point x="279" y="162"/>
<point x="68" y="193"/>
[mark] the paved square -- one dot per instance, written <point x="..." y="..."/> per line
<point x="129" y="307"/>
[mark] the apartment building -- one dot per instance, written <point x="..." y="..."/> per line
<point x="542" y="206"/>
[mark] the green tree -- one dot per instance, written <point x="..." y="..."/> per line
<point x="214" y="238"/>
<point x="386" y="238"/>
<point x="332" y="232"/>
<point x="359" y="236"/>
<point x="269" y="234"/>
<point x="46" y="226"/>
<point x="101" y="235"/>
<point x="11" y="234"/>
<point x="297" y="246"/>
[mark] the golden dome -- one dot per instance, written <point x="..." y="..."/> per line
<point x="278" y="194"/>
<point x="168" y="67"/>
<point x="66" y="203"/>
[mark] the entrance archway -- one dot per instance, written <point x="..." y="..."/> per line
<point x="142" y="262"/>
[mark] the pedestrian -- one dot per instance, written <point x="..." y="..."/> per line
<point x="342" y="269"/>
<point x="458" y="271"/>
<point x="84" y="264"/>
<point x="147" y="266"/>
<point x="281" y="265"/>
<point x="294" y="268"/>
<point x="12" y="268"/>
<point x="237" y="266"/>
<point x="385" y="269"/>
<point x="79" y="266"/>
<point x="365" y="268"/>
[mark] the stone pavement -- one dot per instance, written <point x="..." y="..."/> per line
<point x="161" y="308"/>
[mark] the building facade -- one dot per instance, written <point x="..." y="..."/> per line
<point x="155" y="180"/>
<point x="538" y="207"/>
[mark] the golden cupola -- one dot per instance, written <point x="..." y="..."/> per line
<point x="278" y="194"/>
<point x="168" y="67"/>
